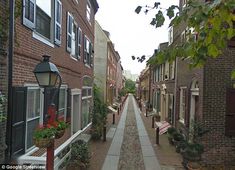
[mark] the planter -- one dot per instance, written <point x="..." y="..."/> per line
<point x="193" y="166"/>
<point x="59" y="134"/>
<point x="43" y="142"/>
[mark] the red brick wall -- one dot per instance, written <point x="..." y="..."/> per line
<point x="220" y="149"/>
<point x="29" y="51"/>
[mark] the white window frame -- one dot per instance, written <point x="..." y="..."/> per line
<point x="65" y="87"/>
<point x="79" y="43"/>
<point x="88" y="11"/>
<point x="182" y="105"/>
<point x="34" y="87"/>
<point x="58" y="24"/>
<point x="69" y="34"/>
<point x="26" y="21"/>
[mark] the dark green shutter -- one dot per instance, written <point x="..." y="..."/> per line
<point x="68" y="116"/>
<point x="19" y="100"/>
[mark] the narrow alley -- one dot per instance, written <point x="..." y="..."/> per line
<point x="131" y="147"/>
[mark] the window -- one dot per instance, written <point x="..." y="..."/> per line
<point x="88" y="12"/>
<point x="86" y="105"/>
<point x="88" y="56"/>
<point x="74" y="37"/>
<point x="62" y="103"/>
<point x="43" y="18"/>
<point x="79" y="42"/>
<point x="35" y="109"/>
<point x="38" y="16"/>
<point x="69" y="31"/>
<point x="86" y="101"/>
<point x="58" y="21"/>
<point x="182" y="104"/>
<point x="172" y="70"/>
<point x="29" y="13"/>
<point x="33" y="112"/>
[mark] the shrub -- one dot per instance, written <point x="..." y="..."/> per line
<point x="80" y="153"/>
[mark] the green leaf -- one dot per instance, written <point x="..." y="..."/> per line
<point x="233" y="75"/>
<point x="156" y="4"/>
<point x="231" y="33"/>
<point x="153" y="22"/>
<point x="170" y="13"/>
<point x="160" y="19"/>
<point x="138" y="9"/>
<point x="213" y="51"/>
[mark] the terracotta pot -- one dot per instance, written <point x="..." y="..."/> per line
<point x="43" y="142"/>
<point x="59" y="134"/>
<point x="193" y="166"/>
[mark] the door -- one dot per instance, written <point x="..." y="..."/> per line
<point x="18" y="120"/>
<point x="75" y="110"/>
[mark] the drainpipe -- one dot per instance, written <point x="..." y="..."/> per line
<point x="10" y="58"/>
<point x="175" y="90"/>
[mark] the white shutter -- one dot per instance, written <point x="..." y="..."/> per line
<point x="173" y="70"/>
<point x="69" y="31"/>
<point x="58" y="21"/>
<point x="29" y="17"/>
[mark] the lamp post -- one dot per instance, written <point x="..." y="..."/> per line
<point x="47" y="75"/>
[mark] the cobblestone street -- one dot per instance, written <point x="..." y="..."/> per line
<point x="131" y="153"/>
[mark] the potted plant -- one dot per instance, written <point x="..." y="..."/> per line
<point x="170" y="132"/>
<point x="60" y="127"/>
<point x="177" y="138"/>
<point x="43" y="136"/>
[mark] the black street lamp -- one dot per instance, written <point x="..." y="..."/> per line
<point x="47" y="75"/>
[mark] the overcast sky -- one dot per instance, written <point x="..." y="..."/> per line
<point x="131" y="33"/>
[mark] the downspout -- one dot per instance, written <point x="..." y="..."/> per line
<point x="175" y="90"/>
<point x="10" y="68"/>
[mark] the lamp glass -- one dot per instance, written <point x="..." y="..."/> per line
<point x="53" y="79"/>
<point x="43" y="79"/>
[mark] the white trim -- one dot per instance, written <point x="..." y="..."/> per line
<point x="42" y="39"/>
<point x="57" y="41"/>
<point x="26" y="21"/>
<point x="25" y="159"/>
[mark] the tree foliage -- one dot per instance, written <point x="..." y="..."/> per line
<point x="211" y="22"/>
<point x="130" y="86"/>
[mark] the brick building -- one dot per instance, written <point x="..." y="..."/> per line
<point x="108" y="69"/>
<point x="204" y="95"/>
<point x="162" y="87"/>
<point x="63" y="30"/>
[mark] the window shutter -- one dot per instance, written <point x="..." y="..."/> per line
<point x="173" y="71"/>
<point x="90" y="55"/>
<point x="29" y="13"/>
<point x="58" y="21"/>
<point x="85" y="51"/>
<point x="69" y="31"/>
<point x="19" y="96"/>
<point x="230" y="113"/>
<point x="68" y="116"/>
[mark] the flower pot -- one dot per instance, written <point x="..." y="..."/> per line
<point x="43" y="142"/>
<point x="59" y="134"/>
<point x="193" y="166"/>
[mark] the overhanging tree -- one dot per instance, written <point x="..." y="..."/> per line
<point x="213" y="22"/>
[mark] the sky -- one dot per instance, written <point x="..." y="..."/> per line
<point x="131" y="33"/>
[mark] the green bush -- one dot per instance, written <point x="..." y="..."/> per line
<point x="80" y="153"/>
